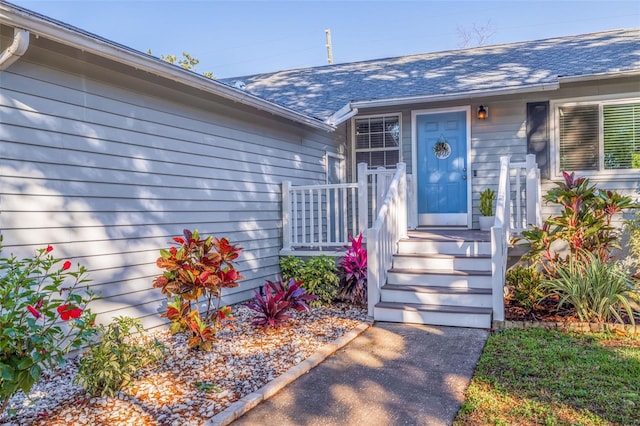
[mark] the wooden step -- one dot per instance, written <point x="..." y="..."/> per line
<point x="439" y="278"/>
<point x="417" y="313"/>
<point x="441" y="262"/>
<point x="432" y="295"/>
<point x="451" y="247"/>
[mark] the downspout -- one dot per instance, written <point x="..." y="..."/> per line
<point x="16" y="50"/>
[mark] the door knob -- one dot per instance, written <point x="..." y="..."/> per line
<point x="464" y="177"/>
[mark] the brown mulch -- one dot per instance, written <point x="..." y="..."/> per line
<point x="546" y="310"/>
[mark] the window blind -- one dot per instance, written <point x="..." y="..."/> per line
<point x="377" y="141"/>
<point x="579" y="136"/>
<point x="621" y="131"/>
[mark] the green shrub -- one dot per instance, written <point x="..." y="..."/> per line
<point x="290" y="267"/>
<point x="112" y="364"/>
<point x="599" y="290"/>
<point x="632" y="230"/>
<point x="487" y="197"/>
<point x="526" y="283"/>
<point x="318" y="275"/>
<point x="43" y="316"/>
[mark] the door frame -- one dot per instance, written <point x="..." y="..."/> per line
<point x="414" y="156"/>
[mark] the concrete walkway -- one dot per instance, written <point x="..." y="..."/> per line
<point x="392" y="374"/>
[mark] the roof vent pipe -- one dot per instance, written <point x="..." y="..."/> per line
<point x="16" y="50"/>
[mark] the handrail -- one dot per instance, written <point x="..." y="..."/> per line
<point x="389" y="227"/>
<point x="500" y="234"/>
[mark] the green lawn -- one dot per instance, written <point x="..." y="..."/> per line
<point x="538" y="377"/>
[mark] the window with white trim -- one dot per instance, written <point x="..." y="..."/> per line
<point x="599" y="136"/>
<point x="377" y="140"/>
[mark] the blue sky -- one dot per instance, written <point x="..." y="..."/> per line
<point x="236" y="38"/>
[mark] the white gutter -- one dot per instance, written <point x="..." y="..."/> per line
<point x="454" y="96"/>
<point x="342" y="115"/>
<point x="71" y="36"/>
<point x="16" y="49"/>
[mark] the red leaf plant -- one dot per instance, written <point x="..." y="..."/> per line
<point x="274" y="300"/>
<point x="353" y="272"/>
<point x="195" y="272"/>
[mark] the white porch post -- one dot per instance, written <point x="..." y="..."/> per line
<point x="286" y="215"/>
<point x="373" y="271"/>
<point x="402" y="211"/>
<point x="498" y="272"/>
<point x="533" y="191"/>
<point x="412" y="207"/>
<point x="363" y="199"/>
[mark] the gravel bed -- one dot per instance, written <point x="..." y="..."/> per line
<point x="188" y="386"/>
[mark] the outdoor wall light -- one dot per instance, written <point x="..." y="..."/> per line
<point x="483" y="112"/>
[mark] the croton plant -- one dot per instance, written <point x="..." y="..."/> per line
<point x="195" y="272"/>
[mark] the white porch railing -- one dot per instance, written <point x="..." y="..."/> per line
<point x="389" y="227"/>
<point x="323" y="216"/>
<point x="503" y="228"/>
<point x="525" y="185"/>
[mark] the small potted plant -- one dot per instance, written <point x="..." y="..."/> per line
<point x="487" y="216"/>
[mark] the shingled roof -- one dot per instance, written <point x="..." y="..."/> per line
<point x="321" y="91"/>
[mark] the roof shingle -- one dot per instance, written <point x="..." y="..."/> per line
<point x="321" y="91"/>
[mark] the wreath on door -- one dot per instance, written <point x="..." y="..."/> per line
<point x="442" y="149"/>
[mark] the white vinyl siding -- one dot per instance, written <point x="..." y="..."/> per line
<point x="599" y="136"/>
<point x="376" y="140"/>
<point x="107" y="166"/>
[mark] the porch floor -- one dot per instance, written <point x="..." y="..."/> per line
<point x="435" y="234"/>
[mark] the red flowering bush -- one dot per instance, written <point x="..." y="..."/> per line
<point x="43" y="315"/>
<point x="196" y="271"/>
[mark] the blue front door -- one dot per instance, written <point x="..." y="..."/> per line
<point x="441" y="140"/>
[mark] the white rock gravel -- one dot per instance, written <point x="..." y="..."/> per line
<point x="242" y="361"/>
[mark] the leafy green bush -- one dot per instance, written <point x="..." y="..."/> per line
<point x="487" y="197"/>
<point x="112" y="364"/>
<point x="599" y="290"/>
<point x="526" y="283"/>
<point x="632" y="230"/>
<point x="318" y="275"/>
<point x="290" y="267"/>
<point x="43" y="315"/>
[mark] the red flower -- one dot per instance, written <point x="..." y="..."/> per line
<point x="66" y="265"/>
<point x="39" y="304"/>
<point x="67" y="312"/>
<point x="49" y="248"/>
<point x="33" y="311"/>
<point x="178" y="240"/>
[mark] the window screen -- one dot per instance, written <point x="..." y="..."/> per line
<point x="377" y="141"/>
<point x="599" y="136"/>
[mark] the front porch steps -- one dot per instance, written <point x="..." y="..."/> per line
<point x="439" y="278"/>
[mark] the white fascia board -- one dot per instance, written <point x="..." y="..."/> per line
<point x="601" y="76"/>
<point x="454" y="96"/>
<point x="56" y="31"/>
